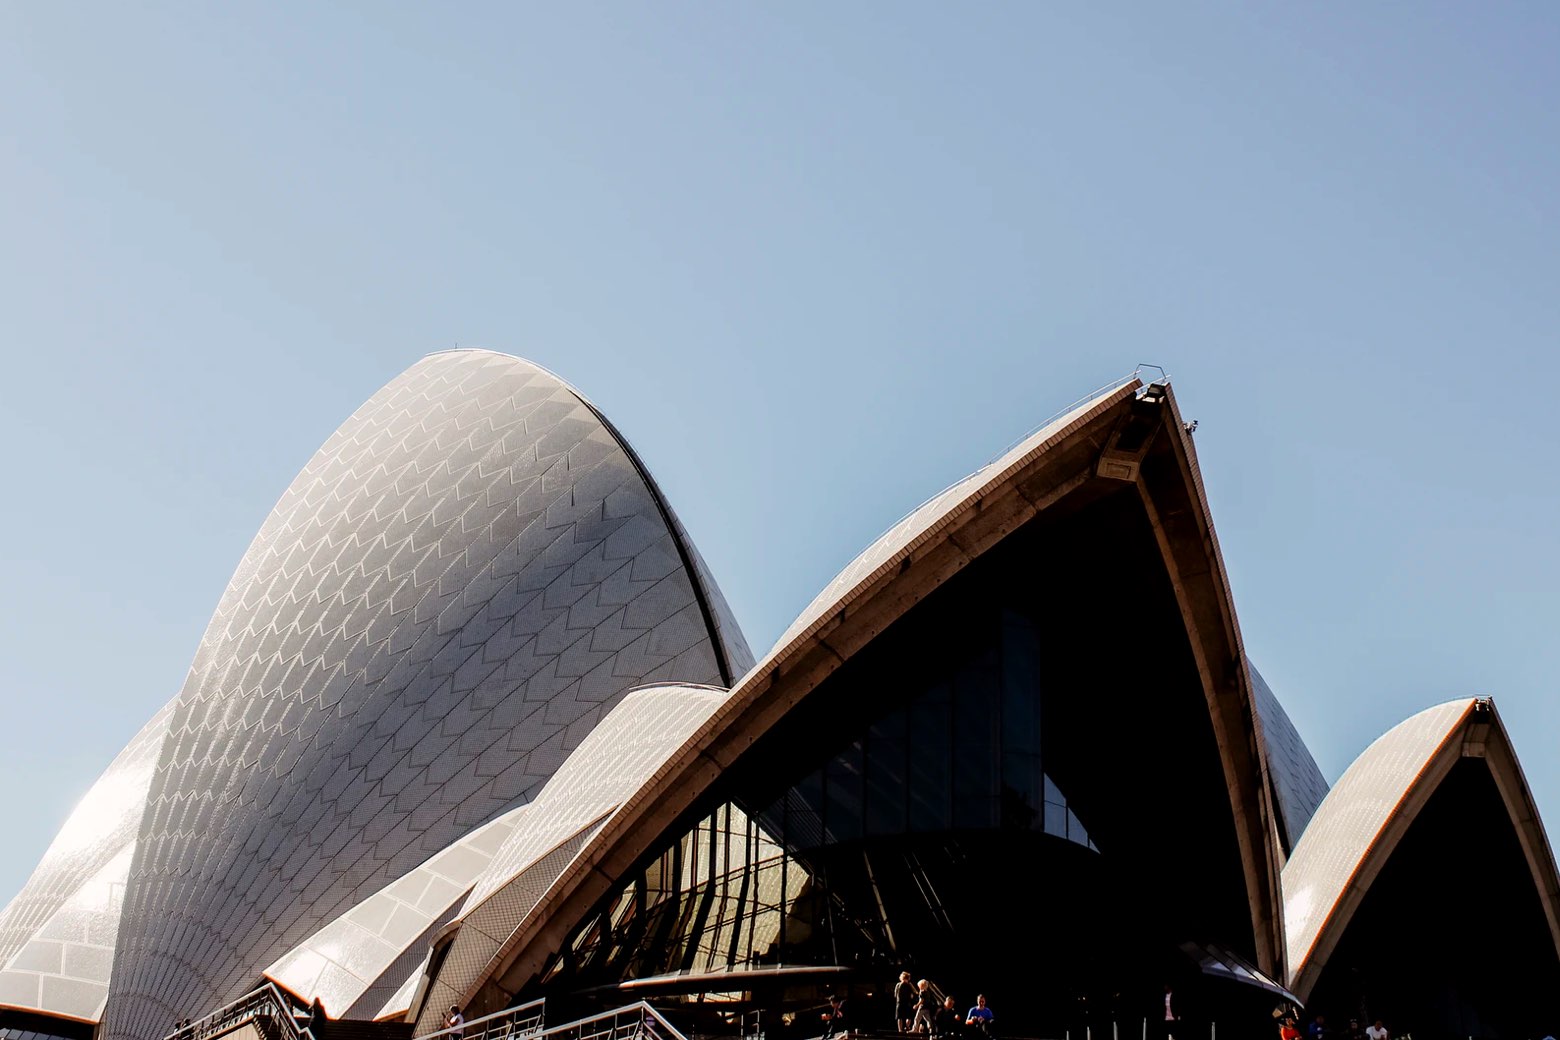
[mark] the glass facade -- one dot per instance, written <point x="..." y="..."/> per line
<point x="962" y="752"/>
<point x="994" y="754"/>
<point x="756" y="881"/>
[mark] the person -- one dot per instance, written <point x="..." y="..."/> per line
<point x="1289" y="1030"/>
<point x="925" y="1009"/>
<point x="1377" y="1031"/>
<point x="948" y="1019"/>
<point x="980" y="1016"/>
<point x="834" y="1017"/>
<point x="904" y="1002"/>
<point x="1172" y="1013"/>
<point x="455" y="1022"/>
<point x="1318" y="1028"/>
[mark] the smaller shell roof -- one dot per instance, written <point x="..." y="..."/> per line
<point x="400" y="1002"/>
<point x="64" y="968"/>
<point x="101" y="826"/>
<point x="1351" y="819"/>
<point x="628" y="745"/>
<point x="58" y="936"/>
<point x="611" y="763"/>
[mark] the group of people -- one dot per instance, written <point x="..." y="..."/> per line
<point x="1289" y="1029"/>
<point x="917" y="1010"/>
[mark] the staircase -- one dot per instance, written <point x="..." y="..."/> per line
<point x="268" y="1013"/>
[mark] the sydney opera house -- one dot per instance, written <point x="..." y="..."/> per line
<point x="473" y="726"/>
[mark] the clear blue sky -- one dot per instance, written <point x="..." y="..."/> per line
<point x="816" y="261"/>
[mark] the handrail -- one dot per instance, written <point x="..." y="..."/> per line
<point x="266" y="1002"/>
<point x="637" y="1021"/>
<point x="521" y="1020"/>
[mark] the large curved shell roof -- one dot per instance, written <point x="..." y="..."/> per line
<point x="930" y="544"/>
<point x="455" y="589"/>
<point x="1371" y="807"/>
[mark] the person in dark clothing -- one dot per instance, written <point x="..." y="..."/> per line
<point x="948" y="1021"/>
<point x="904" y="1003"/>
<point x="834" y="1017"/>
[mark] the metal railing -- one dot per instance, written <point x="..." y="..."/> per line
<point x="638" y="1021"/>
<point x="523" y="1020"/>
<point x="266" y="1006"/>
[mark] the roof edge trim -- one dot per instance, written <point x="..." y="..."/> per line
<point x="701" y="594"/>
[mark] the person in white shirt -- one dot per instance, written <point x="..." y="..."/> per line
<point x="455" y="1022"/>
<point x="1377" y="1031"/>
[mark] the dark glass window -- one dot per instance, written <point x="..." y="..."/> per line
<point x="1012" y="758"/>
<point x="887" y="761"/>
<point x="941" y="744"/>
<point x="930" y="789"/>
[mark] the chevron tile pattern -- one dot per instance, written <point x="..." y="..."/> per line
<point x="457" y="587"/>
<point x="341" y="964"/>
<point x="609" y="766"/>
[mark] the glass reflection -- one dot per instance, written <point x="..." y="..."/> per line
<point x="876" y="799"/>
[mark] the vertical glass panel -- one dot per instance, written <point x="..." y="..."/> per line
<point x="763" y="931"/>
<point x="718" y="931"/>
<point x="931" y="755"/>
<point x="1075" y="831"/>
<point x="976" y="759"/>
<point x="887" y="758"/>
<point x="1056" y="819"/>
<point x="803" y="808"/>
<point x="1020" y="791"/>
<point x="1061" y="820"/>
<point x="842" y="820"/>
<point x="1021" y="694"/>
